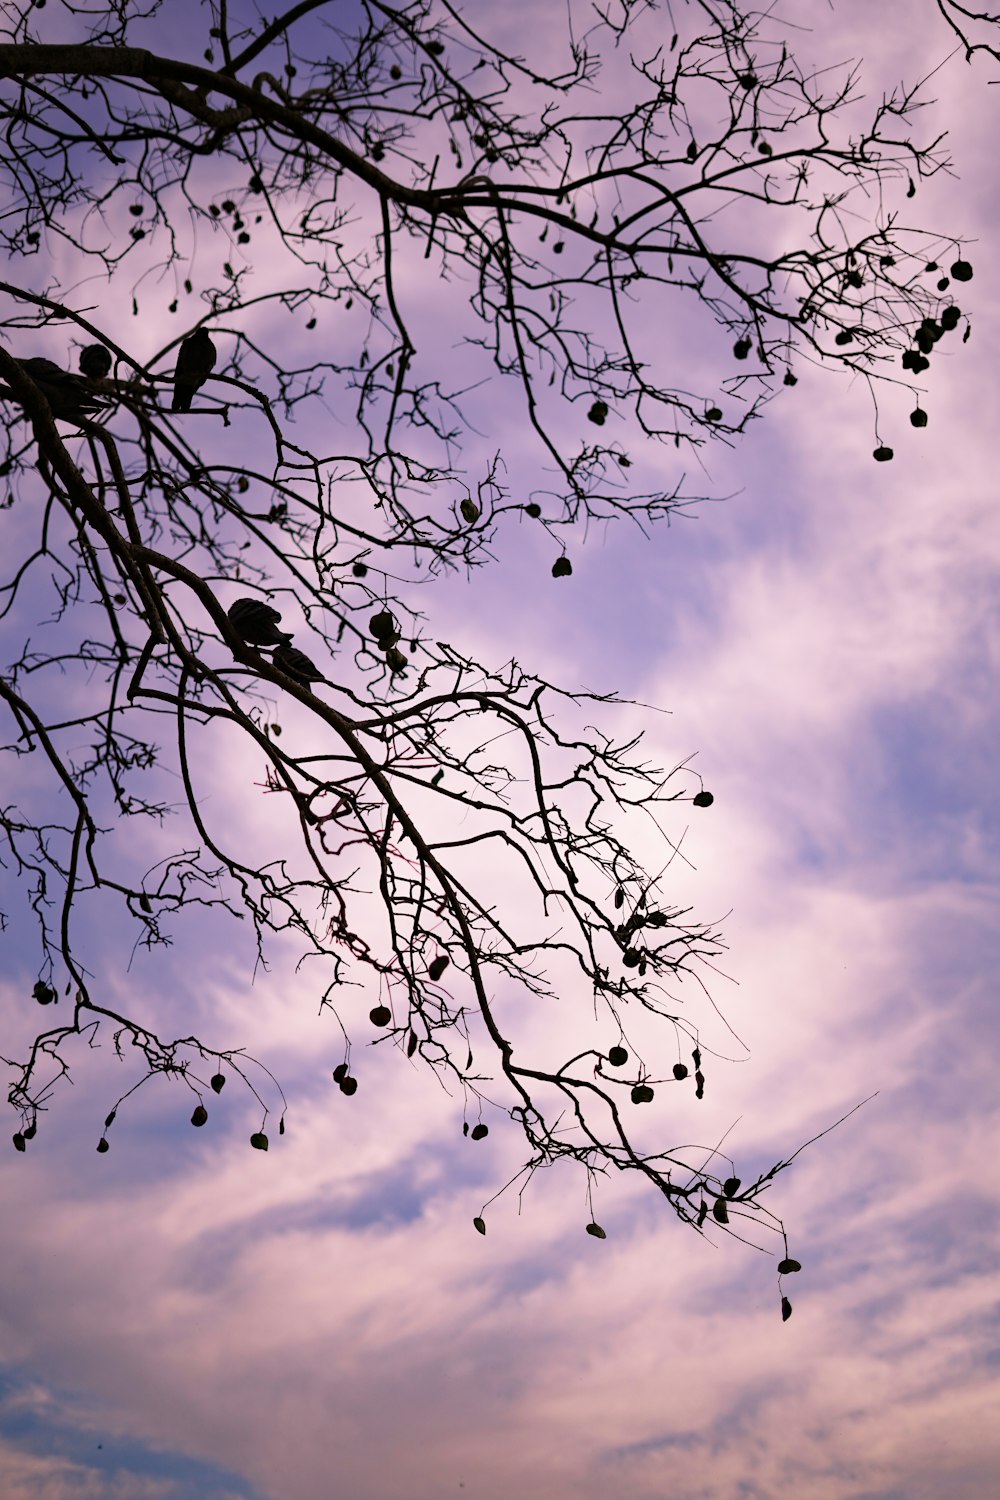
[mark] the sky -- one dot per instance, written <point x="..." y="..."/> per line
<point x="185" y="1317"/>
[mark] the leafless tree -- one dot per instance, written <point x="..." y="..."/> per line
<point x="638" y="237"/>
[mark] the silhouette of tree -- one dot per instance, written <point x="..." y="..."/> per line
<point x="633" y="239"/>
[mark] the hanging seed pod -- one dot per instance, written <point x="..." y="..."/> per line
<point x="200" y="1116"/>
<point x="437" y="966"/>
<point x="259" y="1140"/>
<point x="480" y="1132"/>
<point x="596" y="1231"/>
<point x="617" y="1057"/>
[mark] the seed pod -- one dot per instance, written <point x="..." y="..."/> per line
<point x="380" y="1015"/>
<point x="786" y="1267"/>
<point x="437" y="966"/>
<point x="479" y="1224"/>
<point x="480" y="1132"/>
<point x="383" y="628"/>
<point x="259" y="1141"/>
<point x="618" y="1057"/>
<point x="596" y="1231"/>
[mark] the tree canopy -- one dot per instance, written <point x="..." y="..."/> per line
<point x="299" y="315"/>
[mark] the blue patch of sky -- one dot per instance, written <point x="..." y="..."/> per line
<point x="663" y="1442"/>
<point x="48" y="1430"/>
<point x="383" y="1201"/>
<point x="936" y="779"/>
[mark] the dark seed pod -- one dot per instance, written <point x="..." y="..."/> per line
<point x="731" y="1187"/>
<point x="348" y="1085"/>
<point x="200" y="1116"/>
<point x="617" y="1057"/>
<point x="719" y="1211"/>
<point x="383" y="628"/>
<point x="218" y="1082"/>
<point x="702" y="799"/>
<point x="882" y="455"/>
<point x="596" y="1231"/>
<point x="786" y="1267"/>
<point x="631" y="958"/>
<point x="437" y="966"/>
<point x="562" y="567"/>
<point x="479" y="1224"/>
<point x="340" y="1073"/>
<point x="480" y="1132"/>
<point x="786" y="1309"/>
<point x="380" y="1015"/>
<point x="259" y="1140"/>
<point x="680" y="1071"/>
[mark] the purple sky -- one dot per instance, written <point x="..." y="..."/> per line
<point x="188" y="1318"/>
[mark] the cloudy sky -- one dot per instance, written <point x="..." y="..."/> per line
<point x="187" y="1318"/>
